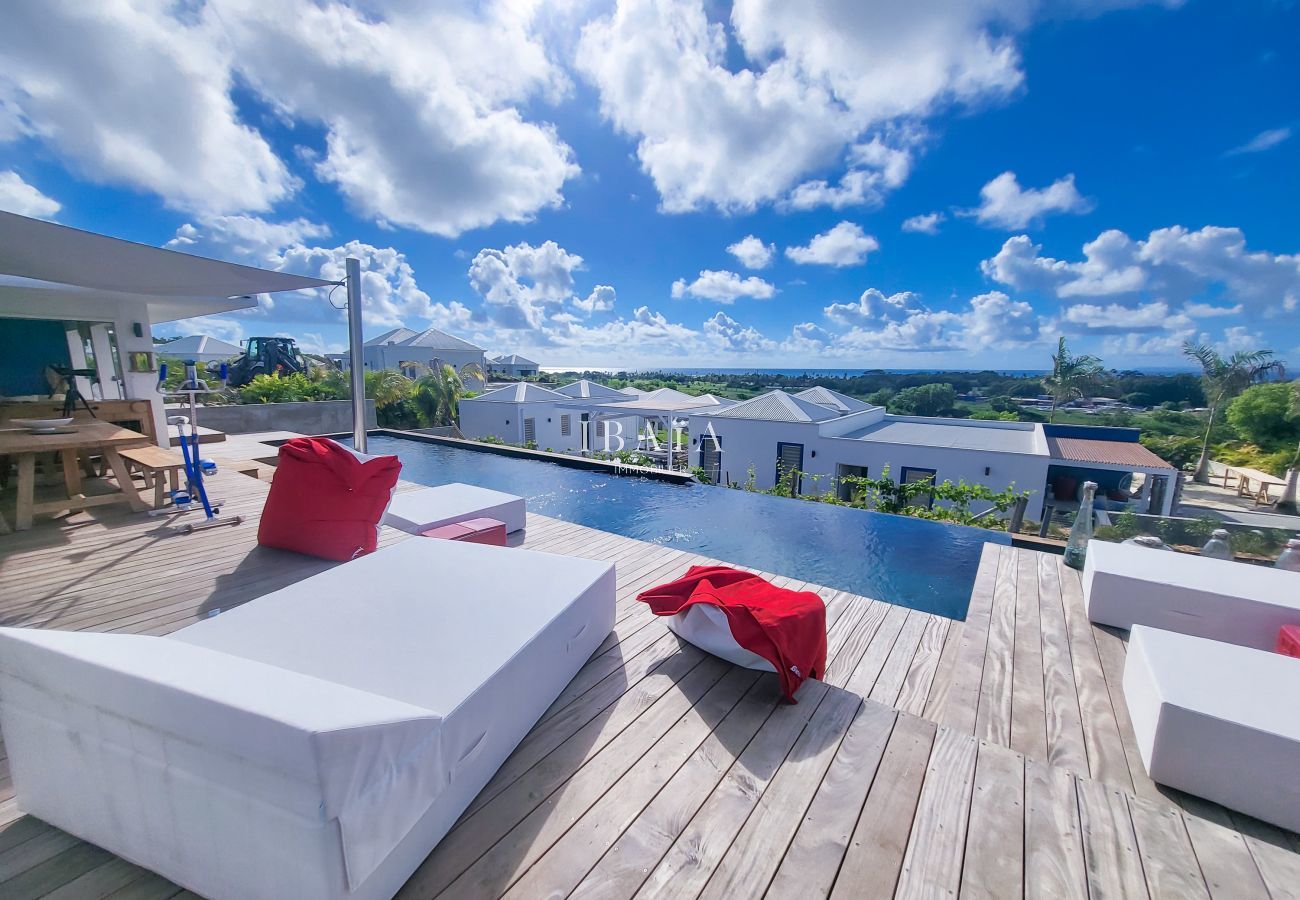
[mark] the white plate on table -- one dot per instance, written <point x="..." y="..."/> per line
<point x="43" y="426"/>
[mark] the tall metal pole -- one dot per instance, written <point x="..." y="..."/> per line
<point x="356" y="359"/>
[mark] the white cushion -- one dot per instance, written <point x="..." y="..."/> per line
<point x="309" y="747"/>
<point x="466" y="642"/>
<point x="1126" y="585"/>
<point x="1217" y="720"/>
<point x="706" y="626"/>
<point x="420" y="510"/>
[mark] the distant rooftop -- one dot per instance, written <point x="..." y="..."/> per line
<point x="585" y="389"/>
<point x="429" y="339"/>
<point x="841" y="403"/>
<point x="777" y="406"/>
<point x="199" y="344"/>
<point x="955" y="433"/>
<point x="514" y="359"/>
<point x="523" y="392"/>
<point x="1117" y="453"/>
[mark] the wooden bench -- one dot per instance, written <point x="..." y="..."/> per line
<point x="154" y="463"/>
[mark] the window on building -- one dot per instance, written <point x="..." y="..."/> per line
<point x="530" y="430"/>
<point x="566" y="425"/>
<point x="789" y="458"/>
<point x="909" y="475"/>
<point x="847" y="491"/>
<point x="600" y="428"/>
<point x="711" y="457"/>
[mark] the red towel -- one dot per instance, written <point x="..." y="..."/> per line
<point x="325" y="501"/>
<point x="787" y="628"/>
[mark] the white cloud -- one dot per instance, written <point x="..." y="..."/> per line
<point x="522" y="284"/>
<point x="1265" y="140"/>
<point x="601" y="299"/>
<point x="844" y="245"/>
<point x="727" y="335"/>
<point x="1005" y="204"/>
<point x="925" y="223"/>
<point x="420" y="104"/>
<point x="723" y="287"/>
<point x="900" y="322"/>
<point x="130" y="95"/>
<point x="1209" y="310"/>
<point x="752" y="253"/>
<point x="816" y="80"/>
<point x="1115" y="317"/>
<point x="390" y="293"/>
<point x="875" y="169"/>
<point x="1173" y="264"/>
<point x="17" y="196"/>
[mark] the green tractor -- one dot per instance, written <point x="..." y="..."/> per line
<point x="266" y="356"/>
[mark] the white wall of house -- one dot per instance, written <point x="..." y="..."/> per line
<point x="749" y="442"/>
<point x="391" y="356"/>
<point x="508" y="421"/>
<point x="123" y="315"/>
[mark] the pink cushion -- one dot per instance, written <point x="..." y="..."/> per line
<point x="475" y="531"/>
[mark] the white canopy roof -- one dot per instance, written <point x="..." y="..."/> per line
<point x="42" y="260"/>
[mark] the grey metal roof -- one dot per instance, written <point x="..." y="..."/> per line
<point x="841" y="403"/>
<point x="523" y="392"/>
<point x="949" y="433"/>
<point x="429" y="339"/>
<point x="585" y="389"/>
<point x="198" y="343"/>
<point x="514" y="359"/>
<point x="777" y="406"/>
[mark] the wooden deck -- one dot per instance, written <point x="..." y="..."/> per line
<point x="987" y="758"/>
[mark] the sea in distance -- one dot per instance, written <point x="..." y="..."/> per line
<point x="826" y="373"/>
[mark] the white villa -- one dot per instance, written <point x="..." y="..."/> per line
<point x="406" y="351"/>
<point x="827" y="435"/>
<point x="199" y="347"/>
<point x="582" y="416"/>
<point x="513" y="365"/>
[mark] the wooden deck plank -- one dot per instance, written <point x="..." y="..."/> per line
<point x="933" y="862"/>
<point x="993" y="714"/>
<point x="640" y="777"/>
<point x="809" y="866"/>
<point x="689" y="863"/>
<point x="1028" y="704"/>
<point x="874" y="856"/>
<point x="1064" y="722"/>
<point x="994" y="864"/>
<point x="1054" y="859"/>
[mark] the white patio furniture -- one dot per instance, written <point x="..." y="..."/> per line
<point x="1125" y="585"/>
<point x="316" y="742"/>
<point x="420" y="510"/>
<point x="1218" y="721"/>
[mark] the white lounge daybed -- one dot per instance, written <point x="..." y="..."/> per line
<point x="1218" y="721"/>
<point x="316" y="742"/>
<point x="420" y="510"/>
<point x="1125" y="585"/>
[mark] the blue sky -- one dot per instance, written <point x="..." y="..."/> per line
<point x="684" y="183"/>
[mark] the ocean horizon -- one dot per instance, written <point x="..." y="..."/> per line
<point x="829" y="373"/>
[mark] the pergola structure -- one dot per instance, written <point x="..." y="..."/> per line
<point x="1122" y="457"/>
<point x="51" y="271"/>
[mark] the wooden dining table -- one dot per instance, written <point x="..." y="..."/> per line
<point x="102" y="438"/>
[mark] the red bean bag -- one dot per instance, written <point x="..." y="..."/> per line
<point x="327" y="500"/>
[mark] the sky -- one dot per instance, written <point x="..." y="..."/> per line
<point x="641" y="183"/>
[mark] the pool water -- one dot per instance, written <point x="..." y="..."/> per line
<point x="924" y="565"/>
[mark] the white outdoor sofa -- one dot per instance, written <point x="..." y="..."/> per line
<point x="1125" y="585"/>
<point x="1218" y="721"/>
<point x="420" y="510"/>
<point x="316" y="742"/>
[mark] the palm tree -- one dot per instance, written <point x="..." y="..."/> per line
<point x="387" y="386"/>
<point x="1224" y="379"/>
<point x="1287" y="502"/>
<point x="1071" y="376"/>
<point x="437" y="394"/>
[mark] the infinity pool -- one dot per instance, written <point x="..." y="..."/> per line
<point x="911" y="562"/>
